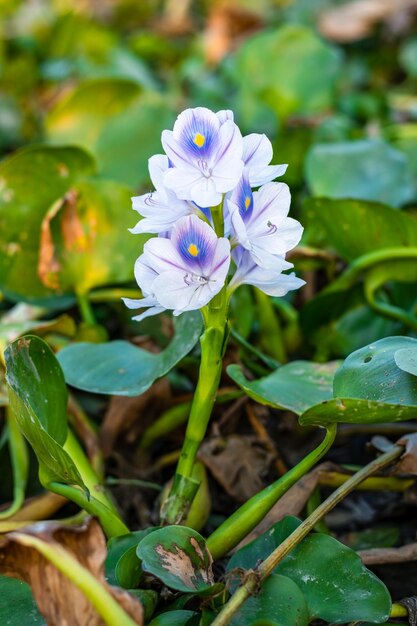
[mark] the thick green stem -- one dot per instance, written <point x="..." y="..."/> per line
<point x="89" y="476"/>
<point x="212" y="342"/>
<point x="20" y="464"/>
<point x="86" y="310"/>
<point x="101" y="599"/>
<point x="272" y="561"/>
<point x="110" y="521"/>
<point x="250" y="514"/>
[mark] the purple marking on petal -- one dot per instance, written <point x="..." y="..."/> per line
<point x="243" y="197"/>
<point x="199" y="136"/>
<point x="193" y="242"/>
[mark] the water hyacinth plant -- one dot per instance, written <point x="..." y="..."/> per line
<point x="214" y="234"/>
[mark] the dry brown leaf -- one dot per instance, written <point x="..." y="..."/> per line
<point x="407" y="463"/>
<point x="356" y="20"/>
<point x="58" y="599"/>
<point x="227" y="26"/>
<point x="123" y="412"/>
<point x="238" y="463"/>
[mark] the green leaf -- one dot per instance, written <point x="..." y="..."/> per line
<point x="295" y="387"/>
<point x="280" y="602"/>
<point x="85" y="241"/>
<point x="371" y="373"/>
<point x="120" y="368"/>
<point x="351" y="411"/>
<point x="51" y="171"/>
<point x="355" y="228"/>
<point x="367" y="169"/>
<point x="336" y="586"/>
<point x="17" y="605"/>
<point x="122" y="564"/>
<point x="406" y="360"/>
<point x="38" y="399"/>
<point x="176" y="618"/>
<point x="307" y="68"/>
<point x="118" y="121"/>
<point x="370" y="388"/>
<point x="178" y="556"/>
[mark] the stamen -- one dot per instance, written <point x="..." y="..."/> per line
<point x="272" y="228"/>
<point x="199" y="140"/>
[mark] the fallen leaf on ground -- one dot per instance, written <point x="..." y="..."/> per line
<point x="238" y="463"/>
<point x="356" y="20"/>
<point x="58" y="599"/>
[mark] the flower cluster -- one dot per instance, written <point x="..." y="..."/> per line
<point x="209" y="167"/>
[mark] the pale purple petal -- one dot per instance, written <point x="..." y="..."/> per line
<point x="272" y="281"/>
<point x="225" y="115"/>
<point x="261" y="175"/>
<point x="257" y="154"/>
<point x="158" y="165"/>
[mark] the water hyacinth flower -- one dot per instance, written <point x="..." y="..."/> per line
<point x="184" y="271"/>
<point x="260" y="223"/>
<point x="205" y="150"/>
<point x="205" y="213"/>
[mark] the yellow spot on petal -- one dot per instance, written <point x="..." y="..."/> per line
<point x="193" y="250"/>
<point x="247" y="203"/>
<point x="199" y="140"/>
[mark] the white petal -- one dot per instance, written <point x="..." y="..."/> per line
<point x="238" y="225"/>
<point x="158" y="164"/>
<point x="162" y="256"/>
<point x="204" y="193"/>
<point x="257" y="150"/>
<point x="225" y="115"/>
<point x="182" y="180"/>
<point x="174" y="290"/>
<point x="271" y="202"/>
<point x="261" y="175"/>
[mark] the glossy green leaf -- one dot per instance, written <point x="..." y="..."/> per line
<point x="38" y="399"/>
<point x="371" y="373"/>
<point x="369" y="387"/>
<point x="355" y="228"/>
<point x="51" y="171"/>
<point x="85" y="241"/>
<point x="120" y="368"/>
<point x="295" y="386"/>
<point x="336" y="586"/>
<point x="178" y="556"/>
<point x="367" y="169"/>
<point x="352" y="411"/>
<point x="280" y="602"/>
<point x="176" y="618"/>
<point x="122" y="564"/>
<point x="307" y="68"/>
<point x="115" y="119"/>
<point x="17" y="605"/>
<point x="406" y="359"/>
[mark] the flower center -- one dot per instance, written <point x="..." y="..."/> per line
<point x="193" y="250"/>
<point x="199" y="140"/>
